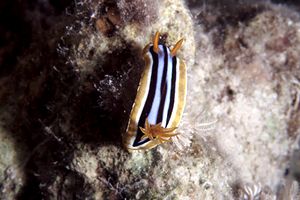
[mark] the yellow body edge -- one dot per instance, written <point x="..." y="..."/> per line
<point x="182" y="86"/>
<point x="141" y="91"/>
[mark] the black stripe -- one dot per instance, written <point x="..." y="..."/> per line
<point x="173" y="88"/>
<point x="163" y="88"/>
<point x="149" y="100"/>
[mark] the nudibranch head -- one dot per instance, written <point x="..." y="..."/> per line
<point x="160" y="99"/>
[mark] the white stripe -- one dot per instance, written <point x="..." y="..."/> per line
<point x="157" y="97"/>
<point x="169" y="88"/>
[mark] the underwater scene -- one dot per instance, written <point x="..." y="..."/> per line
<point x="150" y="99"/>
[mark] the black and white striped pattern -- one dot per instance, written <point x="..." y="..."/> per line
<point x="159" y="101"/>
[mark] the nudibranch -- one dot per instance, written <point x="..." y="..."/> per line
<point x="160" y="99"/>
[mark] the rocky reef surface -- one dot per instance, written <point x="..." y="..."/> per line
<point x="69" y="74"/>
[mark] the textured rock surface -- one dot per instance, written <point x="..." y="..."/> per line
<point x="65" y="101"/>
<point x="251" y="82"/>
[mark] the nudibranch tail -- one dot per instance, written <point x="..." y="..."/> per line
<point x="176" y="47"/>
<point x="157" y="131"/>
<point x="160" y="99"/>
<point x="155" y="42"/>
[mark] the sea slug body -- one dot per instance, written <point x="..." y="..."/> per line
<point x="160" y="99"/>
